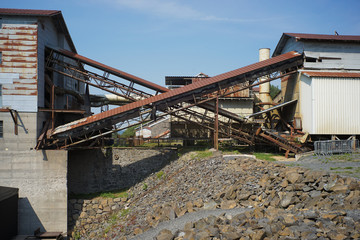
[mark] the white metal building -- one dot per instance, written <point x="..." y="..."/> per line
<point x="328" y="86"/>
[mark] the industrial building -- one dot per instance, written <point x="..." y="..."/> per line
<point x="326" y="87"/>
<point x="45" y="104"/>
<point x="33" y="99"/>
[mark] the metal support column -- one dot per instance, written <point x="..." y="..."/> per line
<point x="216" y="124"/>
<point x="53" y="106"/>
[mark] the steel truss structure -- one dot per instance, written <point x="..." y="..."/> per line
<point x="231" y="125"/>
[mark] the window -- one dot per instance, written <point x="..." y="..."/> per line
<point x="1" y="129"/>
<point x="0" y="96"/>
<point x="0" y="57"/>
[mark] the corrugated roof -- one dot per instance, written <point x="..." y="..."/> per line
<point x="56" y="16"/>
<point x="181" y="94"/>
<point x="312" y="37"/>
<point x="113" y="71"/>
<point x="333" y="74"/>
<point x="33" y="12"/>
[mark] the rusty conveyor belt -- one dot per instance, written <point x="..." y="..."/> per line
<point x="185" y="94"/>
<point x="112" y="70"/>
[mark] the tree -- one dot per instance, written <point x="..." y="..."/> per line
<point x="274" y="90"/>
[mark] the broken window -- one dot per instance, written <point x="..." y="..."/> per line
<point x="1" y="129"/>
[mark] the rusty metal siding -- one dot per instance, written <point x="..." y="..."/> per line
<point x="18" y="69"/>
<point x="336" y="104"/>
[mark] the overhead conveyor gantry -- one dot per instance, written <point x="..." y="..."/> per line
<point x="172" y="102"/>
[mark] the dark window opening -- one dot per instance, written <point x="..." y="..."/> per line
<point x="0" y="57"/>
<point x="310" y="59"/>
<point x="1" y="129"/>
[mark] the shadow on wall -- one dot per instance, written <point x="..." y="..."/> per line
<point x="29" y="220"/>
<point x="99" y="170"/>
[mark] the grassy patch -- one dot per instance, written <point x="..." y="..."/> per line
<point x="266" y="156"/>
<point x="203" y="154"/>
<point x="112" y="194"/>
<point x="160" y="174"/>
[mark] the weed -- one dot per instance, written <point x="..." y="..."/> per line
<point x="76" y="235"/>
<point x="124" y="212"/>
<point x="113" y="194"/>
<point x="160" y="174"/>
<point x="265" y="156"/>
<point x="335" y="168"/>
<point x="145" y="186"/>
<point x="202" y="154"/>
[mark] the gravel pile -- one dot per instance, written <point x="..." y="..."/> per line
<point x="294" y="202"/>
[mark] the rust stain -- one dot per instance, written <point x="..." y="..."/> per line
<point x="24" y="76"/>
<point x="25" y="65"/>
<point x="12" y="54"/>
<point x="33" y="93"/>
<point x="18" y="60"/>
<point x="9" y="48"/>
<point x="10" y="27"/>
<point x="19" y="43"/>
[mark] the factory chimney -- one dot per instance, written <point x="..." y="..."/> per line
<point x="264" y="89"/>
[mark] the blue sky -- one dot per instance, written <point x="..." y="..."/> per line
<point x="155" y="38"/>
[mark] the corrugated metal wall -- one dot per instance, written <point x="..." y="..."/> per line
<point x="336" y="105"/>
<point x="305" y="104"/>
<point x="18" y="69"/>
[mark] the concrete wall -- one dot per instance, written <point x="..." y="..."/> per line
<point x="41" y="179"/>
<point x="27" y="132"/>
<point x="109" y="169"/>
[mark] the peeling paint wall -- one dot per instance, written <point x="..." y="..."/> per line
<point x="18" y="69"/>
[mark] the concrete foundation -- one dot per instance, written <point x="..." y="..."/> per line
<point x="41" y="177"/>
<point x="109" y="169"/>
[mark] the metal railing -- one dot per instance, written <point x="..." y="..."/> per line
<point x="335" y="146"/>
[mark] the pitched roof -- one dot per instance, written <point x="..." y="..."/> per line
<point x="55" y="15"/>
<point x="32" y="12"/>
<point x="307" y="36"/>
<point x="313" y="37"/>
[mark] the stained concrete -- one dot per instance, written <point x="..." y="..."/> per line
<point x="41" y="177"/>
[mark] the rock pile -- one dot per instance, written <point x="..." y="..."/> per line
<point x="285" y="202"/>
<point x="83" y="212"/>
<point x="271" y="223"/>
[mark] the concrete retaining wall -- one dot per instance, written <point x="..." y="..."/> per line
<point x="109" y="169"/>
<point x="41" y="179"/>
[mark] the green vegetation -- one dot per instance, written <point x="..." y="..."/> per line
<point x="274" y="90"/>
<point x="123" y="193"/>
<point x="266" y="156"/>
<point x="160" y="174"/>
<point x="145" y="186"/>
<point x="347" y="157"/>
<point x="124" y="212"/>
<point x="76" y="235"/>
<point x="129" y="132"/>
<point x="202" y="154"/>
